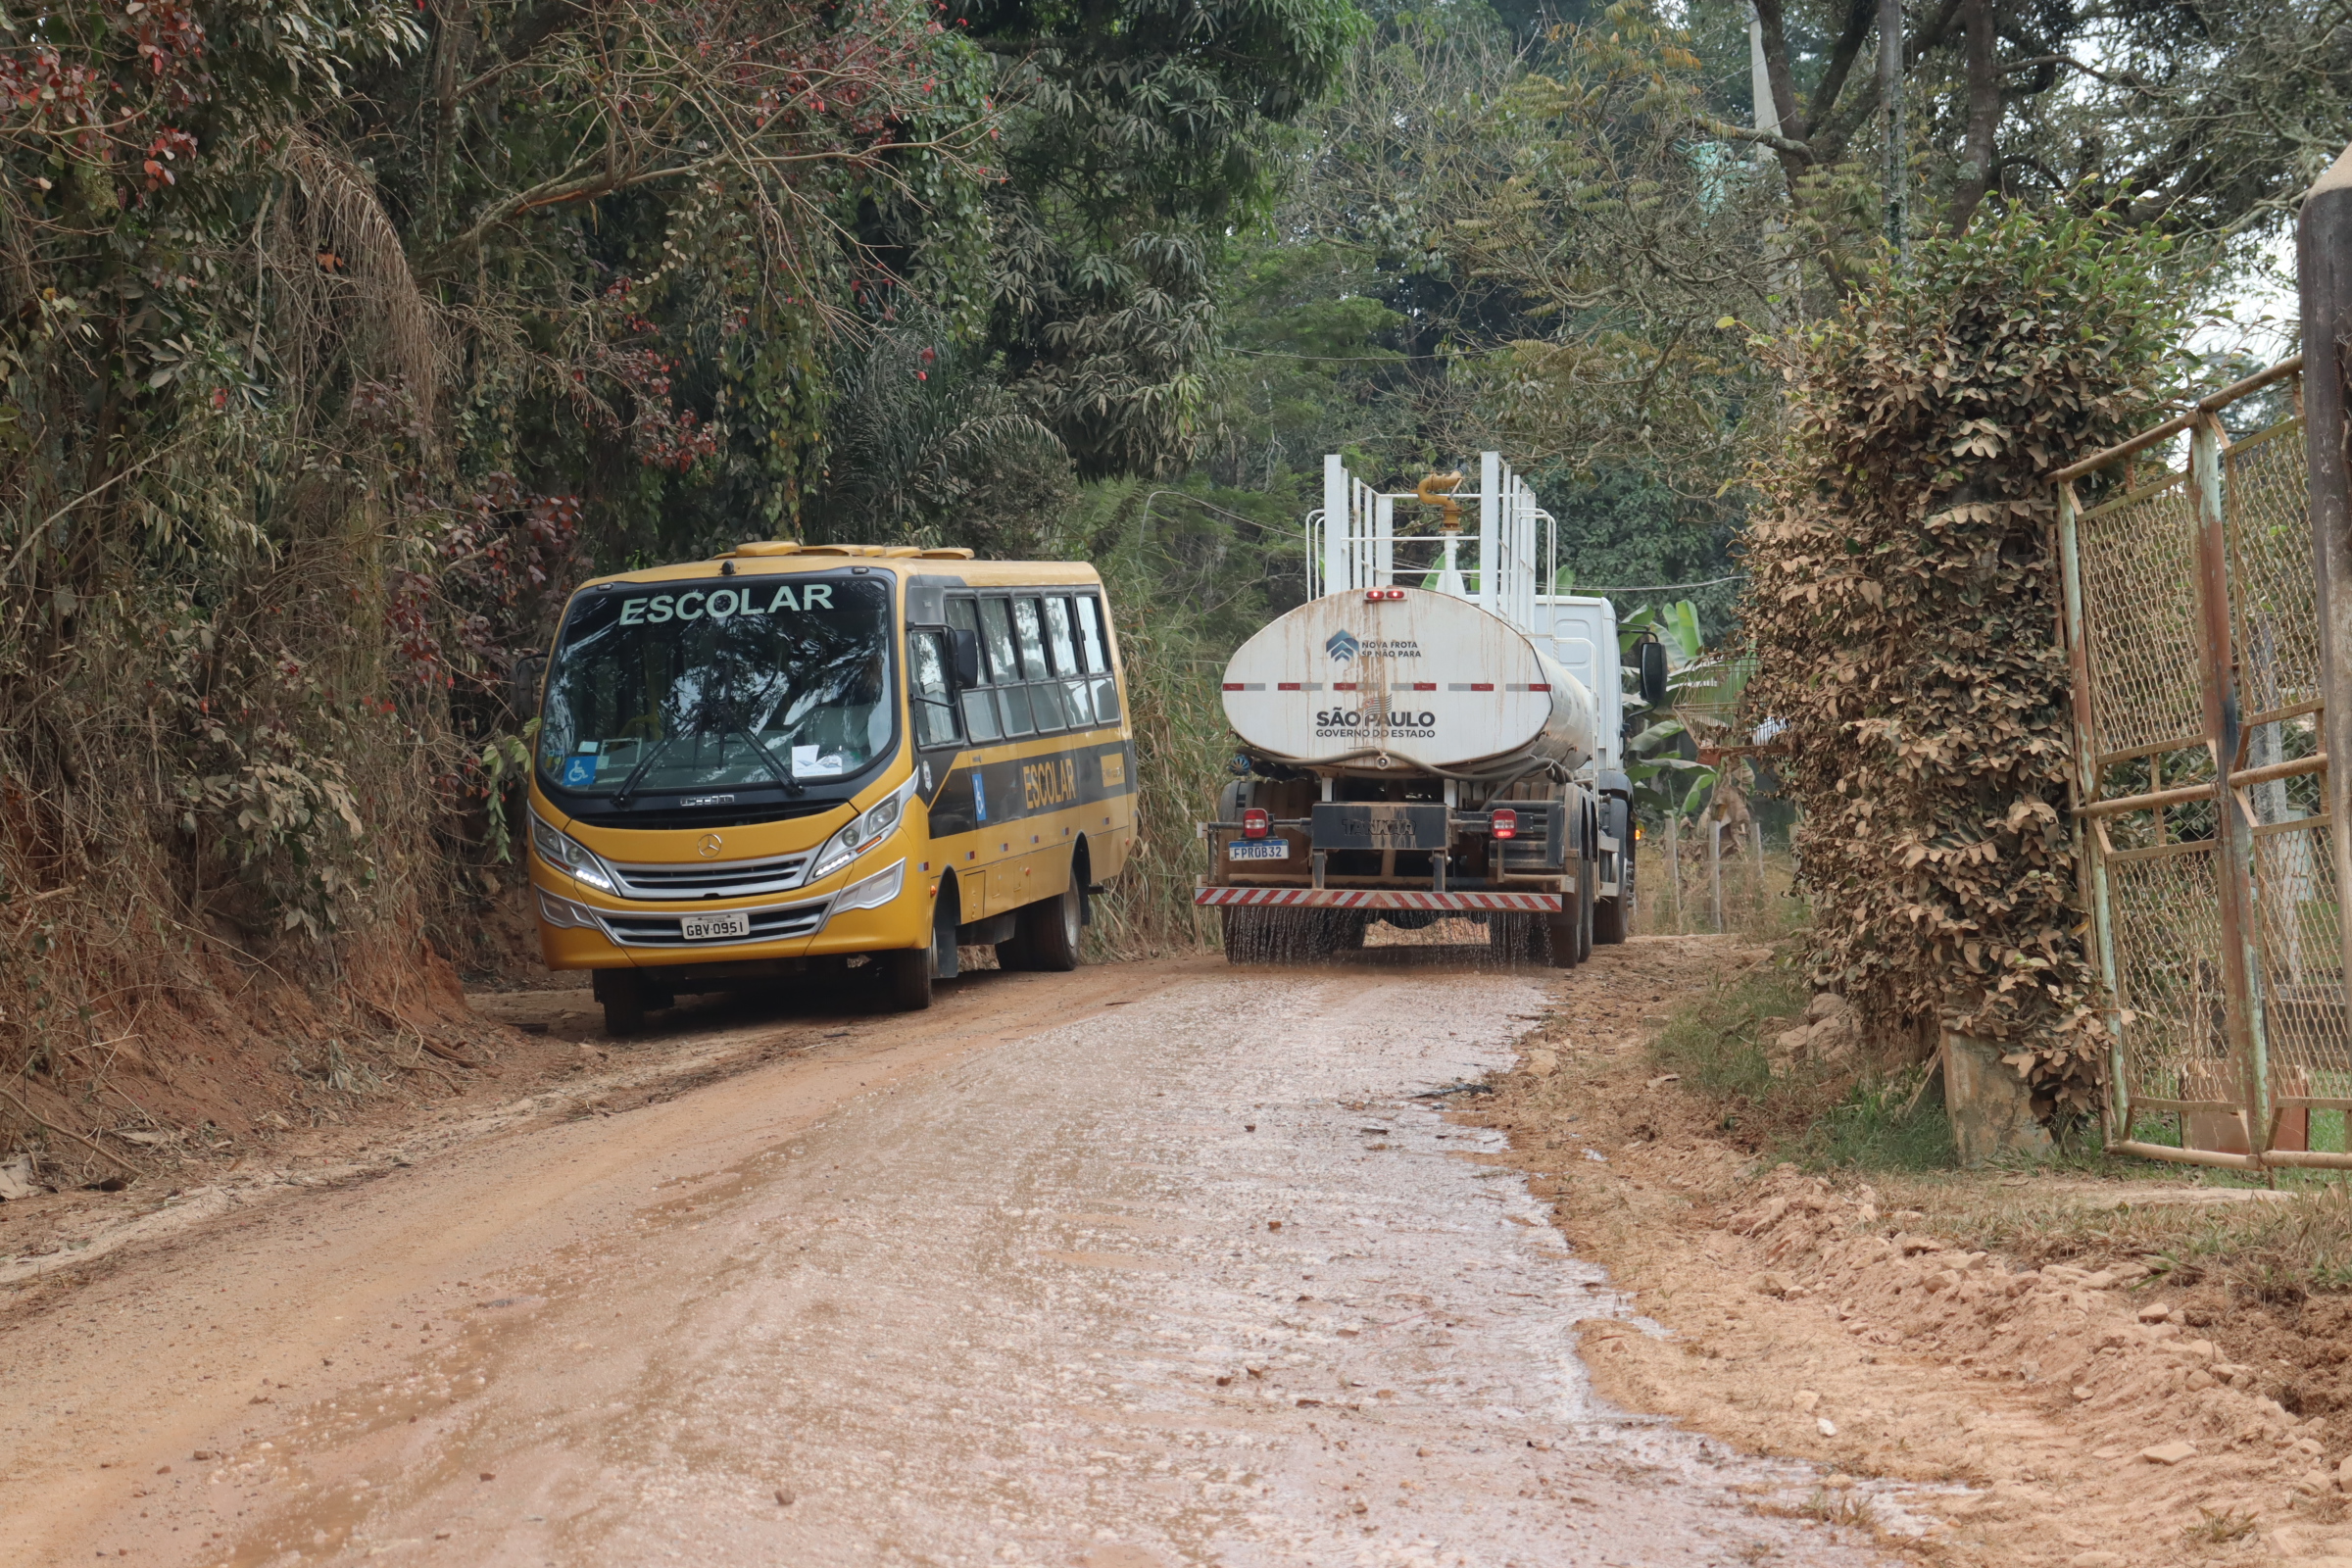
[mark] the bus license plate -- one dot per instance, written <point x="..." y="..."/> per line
<point x="1258" y="850"/>
<point x="712" y="927"/>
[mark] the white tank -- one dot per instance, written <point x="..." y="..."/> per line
<point x="1425" y="680"/>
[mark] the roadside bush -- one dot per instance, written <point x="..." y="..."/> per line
<point x="1903" y="599"/>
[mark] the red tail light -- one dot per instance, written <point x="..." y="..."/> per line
<point x="1254" y="824"/>
<point x="1506" y="824"/>
<point x="1374" y="595"/>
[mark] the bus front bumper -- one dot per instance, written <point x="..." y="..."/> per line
<point x="877" y="912"/>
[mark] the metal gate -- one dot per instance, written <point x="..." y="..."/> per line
<point x="2193" y="624"/>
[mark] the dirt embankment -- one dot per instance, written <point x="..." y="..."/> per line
<point x="2082" y="1415"/>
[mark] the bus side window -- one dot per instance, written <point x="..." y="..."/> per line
<point x="979" y="704"/>
<point x="928" y="685"/>
<point x="1078" y="707"/>
<point x="1003" y="667"/>
<point x="1094" y="635"/>
<point x="1090" y="635"/>
<point x="1045" y="699"/>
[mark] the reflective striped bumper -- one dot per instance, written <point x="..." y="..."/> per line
<point x="1378" y="899"/>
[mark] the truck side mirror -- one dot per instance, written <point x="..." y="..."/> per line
<point x="963" y="653"/>
<point x="1653" y="672"/>
<point x="522" y="687"/>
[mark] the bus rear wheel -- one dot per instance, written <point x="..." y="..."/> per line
<point x="1046" y="933"/>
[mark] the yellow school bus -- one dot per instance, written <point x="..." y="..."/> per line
<point x="793" y="760"/>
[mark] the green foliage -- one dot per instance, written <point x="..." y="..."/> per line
<point x="1137" y="136"/>
<point x="329" y="331"/>
<point x="1702" y="691"/>
<point x="1903" y="606"/>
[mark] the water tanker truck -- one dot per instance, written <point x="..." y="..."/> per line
<point x="1428" y="737"/>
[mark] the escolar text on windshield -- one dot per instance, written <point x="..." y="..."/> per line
<point x="720" y="604"/>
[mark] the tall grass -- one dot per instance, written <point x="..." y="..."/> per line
<point x="1188" y="582"/>
<point x="1853" y="1117"/>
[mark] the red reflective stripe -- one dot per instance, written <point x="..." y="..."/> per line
<point x="1376" y="899"/>
<point x="1424" y="685"/>
<point x="1342" y="685"/>
<point x="1539" y="686"/>
<point x="1286" y="686"/>
<point x="1233" y="685"/>
<point x="1481" y="685"/>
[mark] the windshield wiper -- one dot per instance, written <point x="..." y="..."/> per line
<point x="621" y="796"/>
<point x="792" y="786"/>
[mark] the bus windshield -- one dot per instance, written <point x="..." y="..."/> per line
<point x="683" y="686"/>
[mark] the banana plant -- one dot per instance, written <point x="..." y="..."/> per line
<point x="1702" y="688"/>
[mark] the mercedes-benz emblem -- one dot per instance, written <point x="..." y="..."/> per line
<point x="710" y="844"/>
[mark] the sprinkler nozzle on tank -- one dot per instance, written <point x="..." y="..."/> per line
<point x="1435" y="491"/>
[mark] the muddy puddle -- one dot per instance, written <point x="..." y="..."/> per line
<point x="1210" y="1278"/>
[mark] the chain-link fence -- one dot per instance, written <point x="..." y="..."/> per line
<point x="2192" y="621"/>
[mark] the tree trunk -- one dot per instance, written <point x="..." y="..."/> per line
<point x="1890" y="102"/>
<point x="1984" y="112"/>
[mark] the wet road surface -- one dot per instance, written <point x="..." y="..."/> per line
<point x="1203" y="1276"/>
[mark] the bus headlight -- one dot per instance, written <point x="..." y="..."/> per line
<point x="863" y="832"/>
<point x="573" y="859"/>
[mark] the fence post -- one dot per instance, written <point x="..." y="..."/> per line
<point x="1715" y="870"/>
<point x="2084" y="787"/>
<point x="2324" y="263"/>
<point x="1673" y="857"/>
<point x="2234" y="837"/>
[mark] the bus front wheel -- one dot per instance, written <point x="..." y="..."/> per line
<point x="907" y="978"/>
<point x="623" y="994"/>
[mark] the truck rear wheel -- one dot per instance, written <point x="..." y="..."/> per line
<point x="1559" y="938"/>
<point x="1569" y="933"/>
<point x="1613" y="919"/>
<point x="1609" y="921"/>
<point x="1587" y="877"/>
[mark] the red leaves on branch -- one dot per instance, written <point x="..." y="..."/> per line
<point x="500" y="549"/>
<point x="109" y="107"/>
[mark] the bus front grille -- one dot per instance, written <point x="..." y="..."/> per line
<point x="777" y="924"/>
<point x="730" y="879"/>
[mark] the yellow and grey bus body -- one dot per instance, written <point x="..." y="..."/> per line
<point x="794" y="757"/>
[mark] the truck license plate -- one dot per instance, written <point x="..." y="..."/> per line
<point x="1258" y="850"/>
<point x="712" y="927"/>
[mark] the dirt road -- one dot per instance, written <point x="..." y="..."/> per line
<point x="1150" y="1264"/>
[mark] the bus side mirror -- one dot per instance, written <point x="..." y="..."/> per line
<point x="1653" y="672"/>
<point x="963" y="653"/>
<point x="522" y="687"/>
